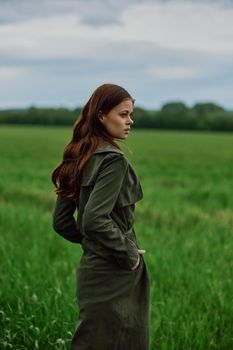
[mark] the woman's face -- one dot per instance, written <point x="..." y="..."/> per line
<point x="118" y="121"/>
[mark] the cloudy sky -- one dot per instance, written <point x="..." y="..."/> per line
<point x="56" y="52"/>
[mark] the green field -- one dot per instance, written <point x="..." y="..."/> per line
<point x="184" y="221"/>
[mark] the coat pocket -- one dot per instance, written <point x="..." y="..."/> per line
<point x="85" y="191"/>
<point x="130" y="193"/>
<point x="129" y="260"/>
<point x="131" y="190"/>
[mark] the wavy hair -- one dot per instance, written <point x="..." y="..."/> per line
<point x="88" y="134"/>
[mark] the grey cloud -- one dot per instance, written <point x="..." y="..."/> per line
<point x="138" y="55"/>
<point x="68" y="80"/>
<point x="92" y="12"/>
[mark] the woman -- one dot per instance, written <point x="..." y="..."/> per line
<point x="113" y="285"/>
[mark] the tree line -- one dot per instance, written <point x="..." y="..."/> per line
<point x="173" y="115"/>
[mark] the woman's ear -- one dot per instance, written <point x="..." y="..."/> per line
<point x="101" y="116"/>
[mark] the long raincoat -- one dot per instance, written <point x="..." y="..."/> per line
<point x="113" y="300"/>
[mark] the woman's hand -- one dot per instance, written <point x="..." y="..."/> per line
<point x="141" y="251"/>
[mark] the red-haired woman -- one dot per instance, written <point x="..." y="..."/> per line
<point x="113" y="284"/>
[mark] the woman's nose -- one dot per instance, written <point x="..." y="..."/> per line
<point x="130" y="121"/>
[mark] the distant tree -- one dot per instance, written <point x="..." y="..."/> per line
<point x="173" y="115"/>
<point x="222" y="121"/>
<point x="174" y="108"/>
<point x="143" y="118"/>
<point x="77" y="111"/>
<point x="204" y="108"/>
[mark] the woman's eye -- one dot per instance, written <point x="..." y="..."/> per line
<point x="126" y="115"/>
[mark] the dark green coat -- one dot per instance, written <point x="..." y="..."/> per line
<point x="113" y="299"/>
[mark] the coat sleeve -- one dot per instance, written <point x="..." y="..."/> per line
<point x="97" y="223"/>
<point x="63" y="220"/>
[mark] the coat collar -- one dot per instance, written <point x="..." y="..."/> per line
<point x="106" y="147"/>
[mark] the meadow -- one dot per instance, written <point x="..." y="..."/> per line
<point x="184" y="222"/>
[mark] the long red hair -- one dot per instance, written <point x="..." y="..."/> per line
<point x="88" y="134"/>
